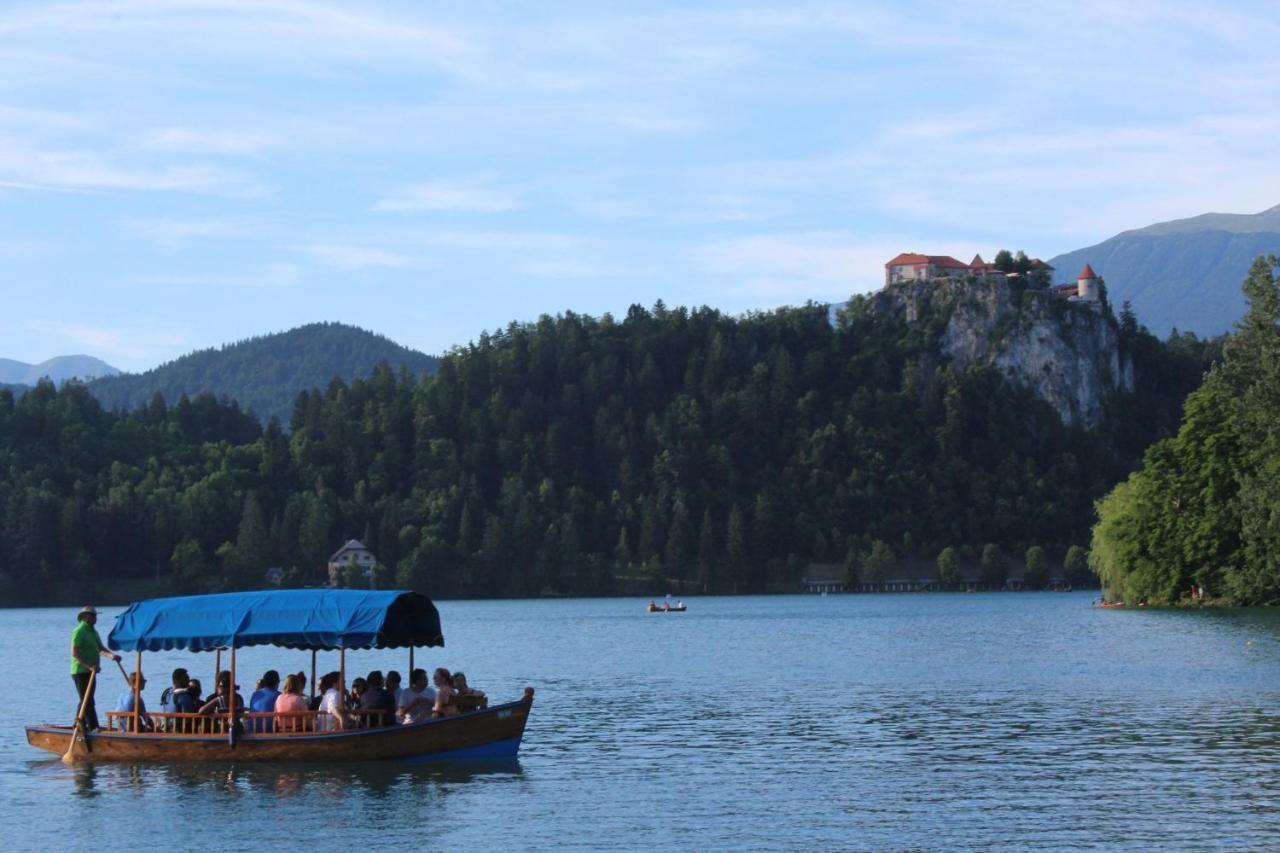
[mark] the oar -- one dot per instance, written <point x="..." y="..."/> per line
<point x="69" y="755"/>
<point x="122" y="672"/>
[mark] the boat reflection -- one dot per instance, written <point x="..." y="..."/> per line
<point x="361" y="781"/>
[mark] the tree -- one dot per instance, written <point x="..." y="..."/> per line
<point x="876" y="565"/>
<point x="1037" y="568"/>
<point x="1003" y="261"/>
<point x="994" y="565"/>
<point x="948" y="567"/>
<point x="1075" y="566"/>
<point x="735" y="548"/>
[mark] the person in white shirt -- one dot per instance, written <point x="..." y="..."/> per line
<point x="333" y="714"/>
<point x="417" y="700"/>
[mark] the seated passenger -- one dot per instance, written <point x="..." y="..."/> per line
<point x="445" y="705"/>
<point x="176" y="700"/>
<point x="125" y="705"/>
<point x="479" y="700"/>
<point x="377" y="698"/>
<point x="416" y="700"/>
<point x="290" y="702"/>
<point x="333" y="713"/>
<point x="394" y="688"/>
<point x="223" y="698"/>
<point x="263" y="701"/>
<point x="358" y="686"/>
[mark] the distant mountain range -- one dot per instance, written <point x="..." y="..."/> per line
<point x="1183" y="274"/>
<point x="58" y="369"/>
<point x="265" y="374"/>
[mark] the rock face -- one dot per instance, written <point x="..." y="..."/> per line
<point x="1067" y="353"/>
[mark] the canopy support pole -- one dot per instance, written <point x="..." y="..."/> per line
<point x="342" y="675"/>
<point x="137" y="689"/>
<point x="231" y="702"/>
<point x="217" y="666"/>
<point x="313" y="675"/>
<point x="409" y="675"/>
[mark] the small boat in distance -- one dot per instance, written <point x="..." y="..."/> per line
<point x="666" y="607"/>
<point x="313" y="619"/>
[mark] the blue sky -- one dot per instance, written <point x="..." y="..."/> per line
<point x="175" y="175"/>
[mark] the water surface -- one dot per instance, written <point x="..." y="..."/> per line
<point x="860" y="722"/>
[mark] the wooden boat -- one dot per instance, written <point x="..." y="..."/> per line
<point x="653" y="608"/>
<point x="310" y="619"/>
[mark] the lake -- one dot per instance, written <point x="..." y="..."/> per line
<point x="1001" y="720"/>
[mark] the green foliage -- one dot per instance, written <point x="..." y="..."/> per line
<point x="1075" y="566"/>
<point x="1202" y="508"/>
<point x="1036" y="568"/>
<point x="948" y="567"/>
<point x="995" y="566"/>
<point x="576" y="455"/>
<point x="876" y="565"/>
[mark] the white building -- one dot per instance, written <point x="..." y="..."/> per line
<point x="353" y="550"/>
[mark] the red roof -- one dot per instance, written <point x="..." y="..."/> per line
<point x="978" y="262"/>
<point x="908" y="258"/>
<point x="1064" y="288"/>
<point x="1087" y="272"/>
<point x="945" y="261"/>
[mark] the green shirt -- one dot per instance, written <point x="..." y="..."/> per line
<point x="85" y="640"/>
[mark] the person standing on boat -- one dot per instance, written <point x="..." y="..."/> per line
<point x="86" y="655"/>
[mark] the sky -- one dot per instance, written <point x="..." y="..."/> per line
<point x="177" y="175"/>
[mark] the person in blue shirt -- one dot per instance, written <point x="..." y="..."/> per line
<point x="125" y="705"/>
<point x="178" y="700"/>
<point x="263" y="700"/>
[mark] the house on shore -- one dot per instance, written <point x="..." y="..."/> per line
<point x="344" y="556"/>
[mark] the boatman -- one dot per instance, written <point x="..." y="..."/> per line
<point x="86" y="651"/>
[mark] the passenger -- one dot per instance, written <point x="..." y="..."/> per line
<point x="263" y="701"/>
<point x="394" y="688"/>
<point x="290" y="702"/>
<point x="416" y="700"/>
<point x="474" y="698"/>
<point x="445" y="705"/>
<point x="86" y="651"/>
<point x="193" y="691"/>
<point x="124" y="705"/>
<point x="461" y="687"/>
<point x="179" y="702"/>
<point x="358" y="686"/>
<point x="333" y="714"/>
<point x="222" y="698"/>
<point x="377" y="698"/>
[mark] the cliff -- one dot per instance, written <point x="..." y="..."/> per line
<point x="1067" y="353"/>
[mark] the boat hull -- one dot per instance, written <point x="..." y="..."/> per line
<point x="489" y="733"/>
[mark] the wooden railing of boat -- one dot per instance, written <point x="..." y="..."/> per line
<point x="252" y="722"/>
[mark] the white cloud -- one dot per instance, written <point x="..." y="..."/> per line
<point x="462" y="197"/>
<point x="231" y="143"/>
<point x="143" y="341"/>
<point x="26" y="166"/>
<point x="174" y="233"/>
<point x="352" y="258"/>
<point x="270" y="276"/>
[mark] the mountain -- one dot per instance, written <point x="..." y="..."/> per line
<point x="265" y="374"/>
<point x="58" y="369"/>
<point x="1183" y="274"/>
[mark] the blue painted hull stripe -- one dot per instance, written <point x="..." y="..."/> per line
<point x="498" y="749"/>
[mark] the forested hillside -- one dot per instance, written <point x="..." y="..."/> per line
<point x="1204" y="509"/>
<point x="672" y="449"/>
<point x="264" y="374"/>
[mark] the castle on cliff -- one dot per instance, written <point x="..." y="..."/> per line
<point x="910" y="266"/>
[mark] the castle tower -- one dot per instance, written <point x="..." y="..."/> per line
<point x="1087" y="288"/>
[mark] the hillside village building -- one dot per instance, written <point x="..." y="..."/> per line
<point x="353" y="550"/>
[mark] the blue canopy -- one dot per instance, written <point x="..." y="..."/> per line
<point x="297" y="618"/>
